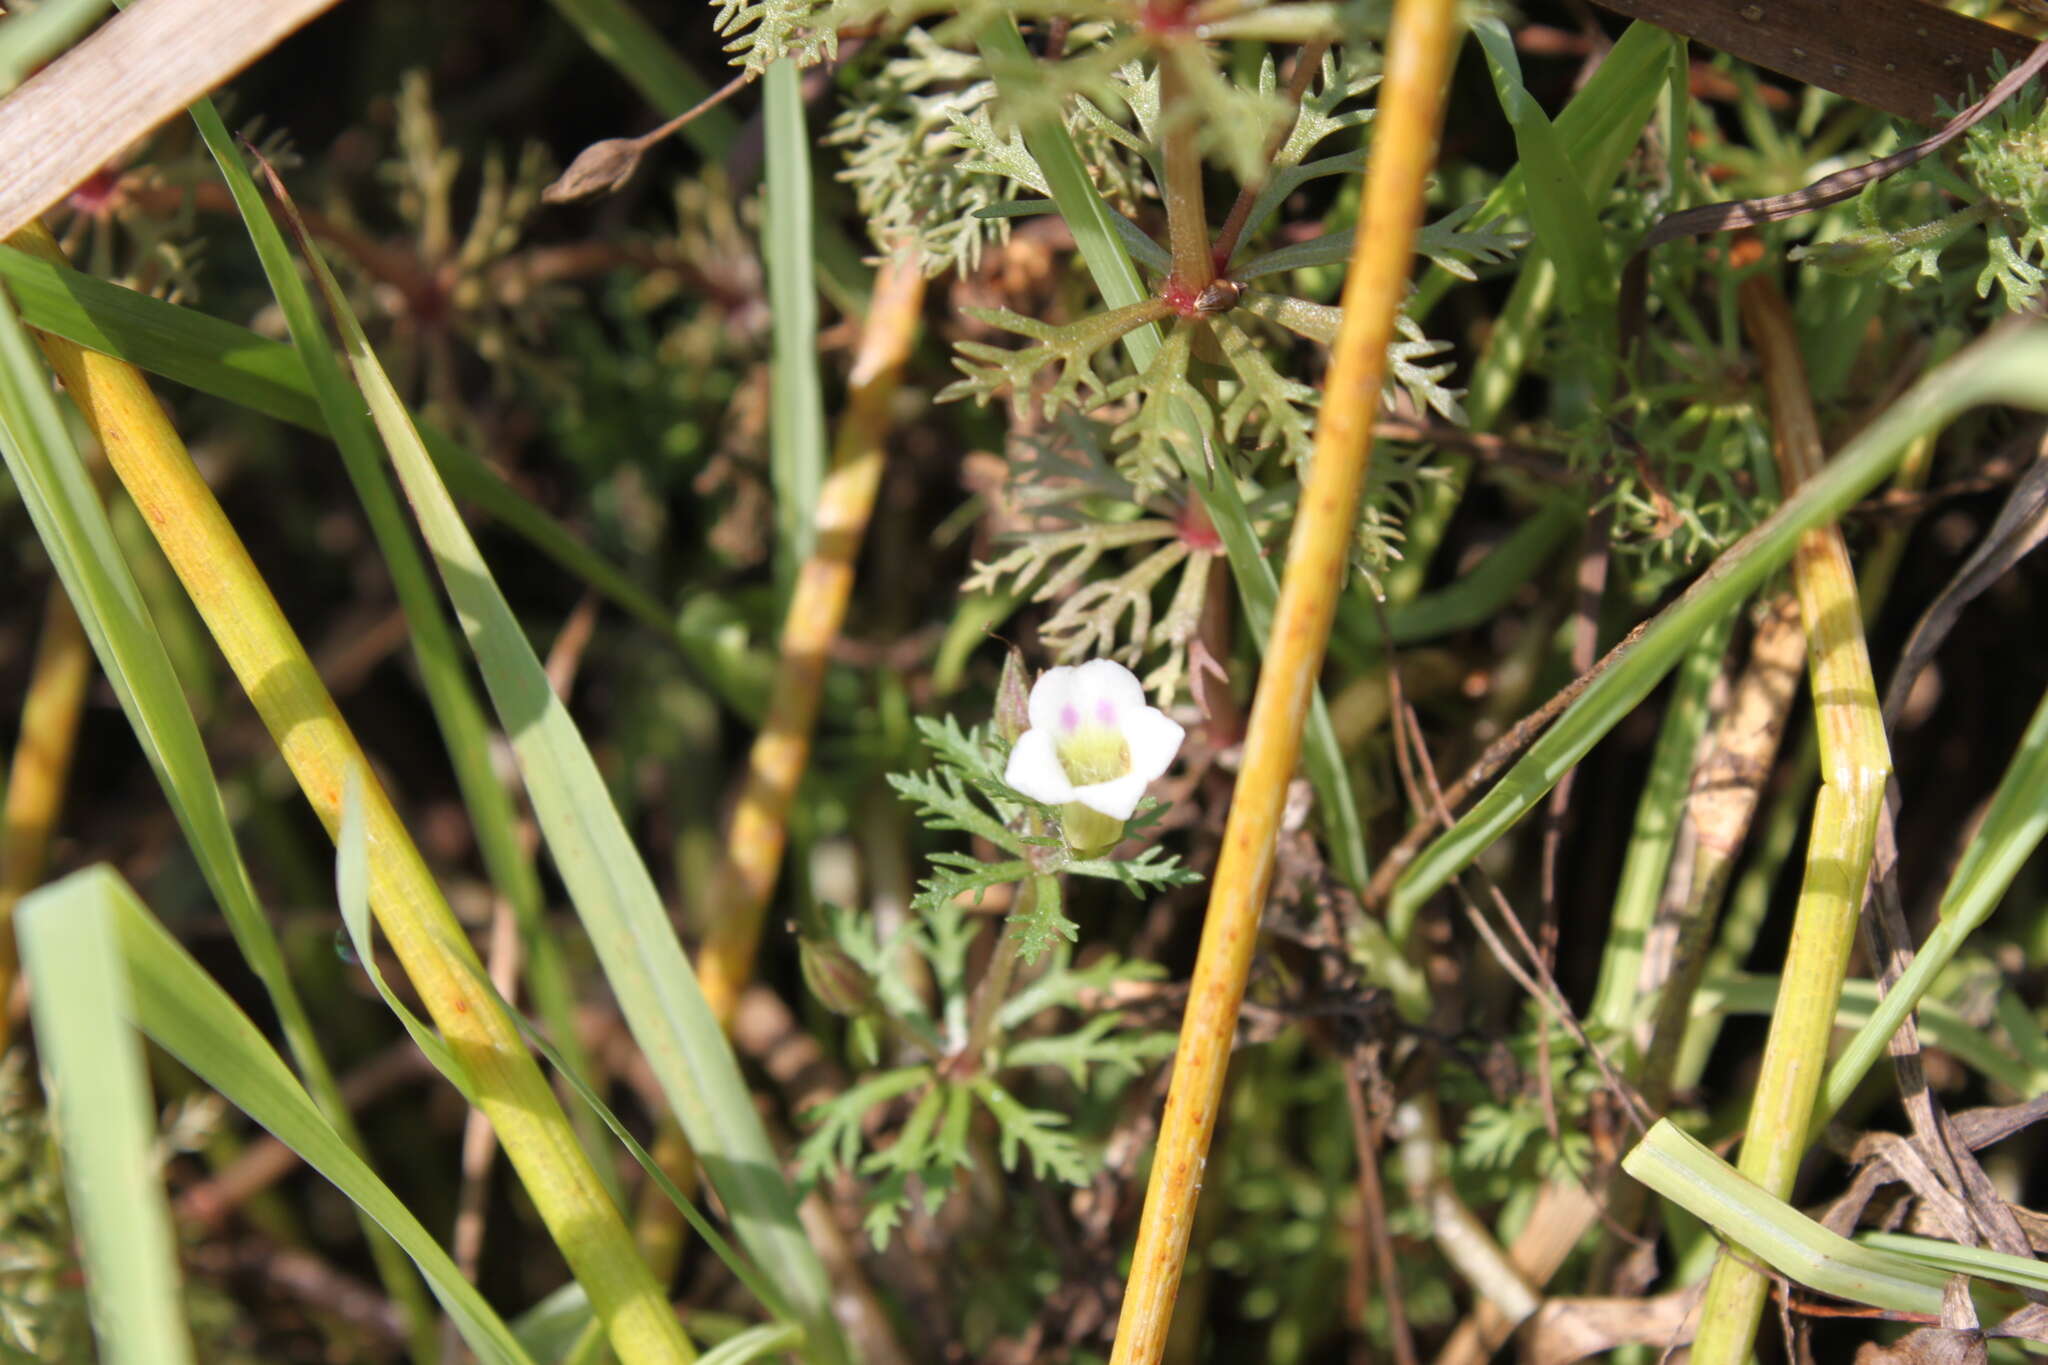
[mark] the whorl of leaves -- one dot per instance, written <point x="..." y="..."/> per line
<point x="910" y="156"/>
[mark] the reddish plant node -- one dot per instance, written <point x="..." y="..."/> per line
<point x="1164" y="17"/>
<point x="1196" y="531"/>
<point x="1181" y="299"/>
<point x="98" y="195"/>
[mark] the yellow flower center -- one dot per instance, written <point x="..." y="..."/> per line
<point x="1093" y="753"/>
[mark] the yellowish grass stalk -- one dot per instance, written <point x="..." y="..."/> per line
<point x="1419" y="47"/>
<point x="40" y="770"/>
<point x="817" y="608"/>
<point x="272" y="665"/>
<point x="1855" y="763"/>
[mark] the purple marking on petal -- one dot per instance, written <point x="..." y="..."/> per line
<point x="1105" y="711"/>
<point x="1070" y="717"/>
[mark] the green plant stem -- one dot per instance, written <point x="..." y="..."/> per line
<point x="1001" y="974"/>
<point x="1617" y="999"/>
<point x="1187" y="218"/>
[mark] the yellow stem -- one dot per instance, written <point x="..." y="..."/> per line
<point x="1855" y="762"/>
<point x="40" y="770"/>
<point x="817" y="609"/>
<point x="1419" y="48"/>
<point x="272" y="665"/>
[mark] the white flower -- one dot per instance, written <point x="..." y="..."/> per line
<point x="1093" y="740"/>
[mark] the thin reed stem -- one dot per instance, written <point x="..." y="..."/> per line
<point x="40" y="770"/>
<point x="1419" y="48"/>
<point x="817" y="609"/>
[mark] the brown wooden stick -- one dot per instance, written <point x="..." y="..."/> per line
<point x="139" y="69"/>
<point x="1902" y="56"/>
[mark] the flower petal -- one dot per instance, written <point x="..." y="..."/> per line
<point x="1050" y="695"/>
<point x="1116" y="798"/>
<point x="1034" y="768"/>
<point x="1154" y="738"/>
<point x="1106" y="693"/>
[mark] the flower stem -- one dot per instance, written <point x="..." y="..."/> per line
<point x="1002" y="972"/>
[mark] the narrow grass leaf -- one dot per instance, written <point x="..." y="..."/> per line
<point x="1681" y="1168"/>
<point x="1941" y="1025"/>
<point x="268" y="377"/>
<point x="743" y="1269"/>
<point x="442" y="670"/>
<point x="1598" y="126"/>
<point x="756" y="1343"/>
<point x="605" y="876"/>
<point x="1555" y="199"/>
<point x="796" y="416"/>
<point x="106" y="1124"/>
<point x="1618" y="1000"/>
<point x="181" y="1008"/>
<point x="352" y="894"/>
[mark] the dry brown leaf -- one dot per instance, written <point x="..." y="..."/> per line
<point x="1565" y="1330"/>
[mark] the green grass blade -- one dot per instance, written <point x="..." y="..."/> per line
<point x="2010" y="365"/>
<point x="1941" y="1025"/>
<point x="2022" y="1272"/>
<point x="106" y="1123"/>
<point x="1478" y="594"/>
<point x="1556" y="199"/>
<point x="181" y="344"/>
<point x="2011" y="830"/>
<point x="178" y="1005"/>
<point x="756" y="1343"/>
<point x="797" y="451"/>
<point x="1118" y="281"/>
<point x="75" y="532"/>
<point x="605" y="876"/>
<point x="1681" y="1169"/>
<point x="352" y="895"/>
<point x="1597" y="128"/>
<point x="464" y="732"/>
<point x="743" y="1269"/>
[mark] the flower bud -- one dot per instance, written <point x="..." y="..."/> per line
<point x="830" y="973"/>
<point x="1013" y="699"/>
